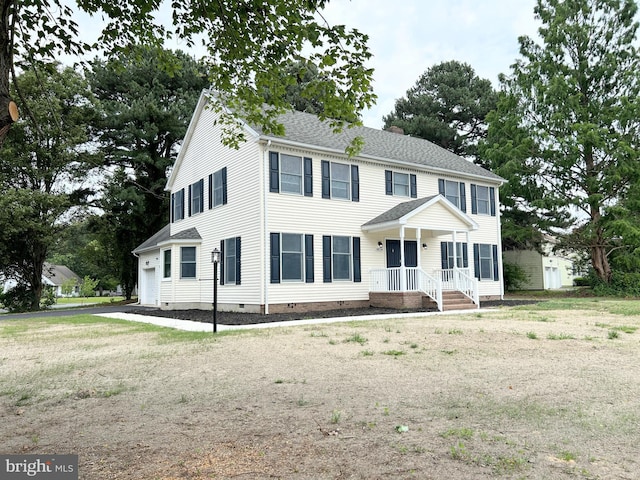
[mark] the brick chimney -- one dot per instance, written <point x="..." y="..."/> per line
<point x="395" y="129"/>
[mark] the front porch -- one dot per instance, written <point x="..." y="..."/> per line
<point x="412" y="287"/>
<point x="414" y="239"/>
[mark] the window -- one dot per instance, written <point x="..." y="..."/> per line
<point x="230" y="261"/>
<point x="454" y="192"/>
<point x="166" y="264"/>
<point x="400" y="184"/>
<point x="340" y="180"/>
<point x="447" y="255"/>
<point x="218" y="188"/>
<point x="177" y="205"/>
<point x="483" y="200"/>
<point x="290" y="174"/>
<point x="196" y="199"/>
<point x="187" y="262"/>
<point x="341" y="258"/>
<point x="485" y="260"/>
<point x="291" y="257"/>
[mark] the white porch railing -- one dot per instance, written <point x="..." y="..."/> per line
<point x="415" y="280"/>
<point x="459" y="279"/>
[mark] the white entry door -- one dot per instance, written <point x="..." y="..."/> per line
<point x="149" y="293"/>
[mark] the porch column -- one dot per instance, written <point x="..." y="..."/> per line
<point x="419" y="245"/>
<point x="403" y="271"/>
<point x="455" y="260"/>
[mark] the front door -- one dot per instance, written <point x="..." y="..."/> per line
<point x="393" y="261"/>
<point x="410" y="253"/>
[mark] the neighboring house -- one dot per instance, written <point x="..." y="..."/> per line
<point x="54" y="277"/>
<point x="545" y="271"/>
<point x="302" y="226"/>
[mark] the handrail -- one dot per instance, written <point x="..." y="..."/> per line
<point x="415" y="279"/>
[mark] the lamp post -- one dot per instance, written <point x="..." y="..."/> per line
<point x="215" y="258"/>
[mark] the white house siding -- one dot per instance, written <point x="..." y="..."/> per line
<point x="149" y="262"/>
<point x="317" y="216"/>
<point x="240" y="217"/>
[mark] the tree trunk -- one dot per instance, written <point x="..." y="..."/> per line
<point x="599" y="259"/>
<point x="8" y="109"/>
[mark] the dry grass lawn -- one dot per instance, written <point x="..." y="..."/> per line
<point x="538" y="392"/>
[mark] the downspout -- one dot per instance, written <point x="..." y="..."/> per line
<point x="265" y="226"/>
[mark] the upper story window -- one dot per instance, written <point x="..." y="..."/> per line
<point x="400" y="184"/>
<point x="196" y="197"/>
<point x="290" y="174"/>
<point x="340" y="180"/>
<point x="187" y="262"/>
<point x="177" y="205"/>
<point x="218" y="188"/>
<point x="483" y="200"/>
<point x="454" y="192"/>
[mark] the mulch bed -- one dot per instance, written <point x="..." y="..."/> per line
<point x="238" y="318"/>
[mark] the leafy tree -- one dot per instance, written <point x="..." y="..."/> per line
<point x="145" y="114"/>
<point x="88" y="287"/>
<point x="569" y="116"/>
<point x="249" y="42"/>
<point x="42" y="168"/>
<point x="448" y="106"/>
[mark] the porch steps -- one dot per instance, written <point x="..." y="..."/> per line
<point x="451" y="300"/>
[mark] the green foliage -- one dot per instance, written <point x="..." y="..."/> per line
<point x="515" y="277"/>
<point x="68" y="286"/>
<point x="622" y="284"/>
<point x="566" y="133"/>
<point x="48" y="298"/>
<point x="249" y="45"/>
<point x="18" y="299"/>
<point x="448" y="106"/>
<point x="88" y="287"/>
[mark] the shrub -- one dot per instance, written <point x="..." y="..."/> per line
<point x="622" y="284"/>
<point x="18" y="299"/>
<point x="514" y="276"/>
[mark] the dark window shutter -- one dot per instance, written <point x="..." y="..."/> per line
<point x="444" y="256"/>
<point x="474" y="199"/>
<point x="326" y="258"/>
<point x="275" y="258"/>
<point x="221" y="262"/>
<point x="308" y="177"/>
<point x="388" y="182"/>
<point x="201" y="182"/>
<point x="465" y="255"/>
<point x="182" y="203"/>
<point x="224" y="186"/>
<point x="441" y="186"/>
<point x="274" y="172"/>
<point x="463" y="198"/>
<point x="355" y="183"/>
<point x="173" y="206"/>
<point x="476" y="260"/>
<point x="496" y="273"/>
<point x="357" y="275"/>
<point x="189" y="204"/>
<point x="210" y="191"/>
<point x="308" y="258"/>
<point x="413" y="182"/>
<point x="238" y="262"/>
<point x="492" y="200"/>
<point x="326" y="179"/>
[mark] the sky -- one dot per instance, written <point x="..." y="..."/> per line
<point x="408" y="37"/>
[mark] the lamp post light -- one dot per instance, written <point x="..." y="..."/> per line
<point x="215" y="259"/>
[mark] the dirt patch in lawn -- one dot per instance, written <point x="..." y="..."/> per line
<point x="511" y="393"/>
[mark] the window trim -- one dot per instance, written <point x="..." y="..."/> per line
<point x="237" y="263"/>
<point x="477" y="262"/>
<point x="461" y="194"/>
<point x="491" y="206"/>
<point x="196" y="202"/>
<point x="183" y="263"/>
<point x="328" y="262"/>
<point x="177" y="205"/>
<point x="391" y="184"/>
<point x="276" y="265"/>
<point x="353" y="185"/>
<point x="222" y="176"/>
<point x="166" y="276"/>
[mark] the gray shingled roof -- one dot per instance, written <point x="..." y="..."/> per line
<point x="307" y="129"/>
<point x="163" y="236"/>
<point x="58" y="274"/>
<point x="155" y="239"/>
<point x="399" y="211"/>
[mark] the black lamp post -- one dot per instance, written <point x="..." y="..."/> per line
<point x="215" y="259"/>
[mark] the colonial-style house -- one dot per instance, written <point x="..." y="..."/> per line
<point x="302" y="226"/>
